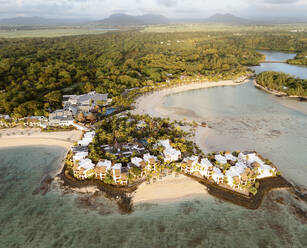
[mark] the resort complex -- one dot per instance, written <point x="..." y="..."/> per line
<point x="127" y="160"/>
<point x="77" y="109"/>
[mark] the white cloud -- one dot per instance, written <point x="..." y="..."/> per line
<point x="98" y="9"/>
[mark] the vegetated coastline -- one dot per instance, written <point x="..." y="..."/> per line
<point x="123" y="194"/>
<point x="279" y="93"/>
<point x="282" y="85"/>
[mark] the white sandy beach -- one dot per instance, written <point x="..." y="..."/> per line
<point x="14" y="137"/>
<point x="169" y="189"/>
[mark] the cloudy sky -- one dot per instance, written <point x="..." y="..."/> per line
<point x="98" y="9"/>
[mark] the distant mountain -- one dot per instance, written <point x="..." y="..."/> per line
<point x="227" y="19"/>
<point x="129" y="20"/>
<point x="39" y="21"/>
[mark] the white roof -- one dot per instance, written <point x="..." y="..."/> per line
<point x="171" y="152"/>
<point x="217" y="174"/>
<point x="205" y="163"/>
<point x="217" y="171"/>
<point x="85" y="141"/>
<point x="136" y="161"/>
<point x="229" y="156"/>
<point x="231" y="173"/>
<point x="117" y="166"/>
<point x="147" y="156"/>
<point x="6" y="117"/>
<point x="86" y="164"/>
<point x="221" y="159"/>
<point x="193" y="158"/>
<point x="165" y="143"/>
<point x="89" y="134"/>
<point x="80" y="155"/>
<point x="106" y="163"/>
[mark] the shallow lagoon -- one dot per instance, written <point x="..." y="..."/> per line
<point x="246" y="118"/>
<point x="70" y="220"/>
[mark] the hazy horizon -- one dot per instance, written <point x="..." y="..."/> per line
<point x="173" y="9"/>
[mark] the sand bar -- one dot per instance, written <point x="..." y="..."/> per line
<point x="169" y="189"/>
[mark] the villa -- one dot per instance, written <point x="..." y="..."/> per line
<point x="116" y="172"/>
<point x="35" y="121"/>
<point x="170" y="154"/>
<point x="84" y="168"/>
<point x="150" y="161"/>
<point x="61" y="117"/>
<point x="80" y="155"/>
<point x="5" y="120"/>
<point x="87" y="139"/>
<point x="102" y="168"/>
<point x="84" y="103"/>
<point x="245" y="168"/>
<point x="190" y="165"/>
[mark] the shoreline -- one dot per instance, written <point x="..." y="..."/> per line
<point x="279" y="93"/>
<point x="152" y="104"/>
<point x="15" y="137"/>
<point x="33" y="137"/>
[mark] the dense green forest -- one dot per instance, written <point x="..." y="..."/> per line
<point x="300" y="59"/>
<point x="283" y="82"/>
<point x="36" y="72"/>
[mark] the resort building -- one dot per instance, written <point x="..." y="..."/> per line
<point x="220" y="159"/>
<point x="170" y="154"/>
<point x="61" y="117"/>
<point x="150" y="161"/>
<point x="252" y="160"/>
<point x="230" y="157"/>
<point x="35" y="121"/>
<point x="86" y="168"/>
<point x="87" y="139"/>
<point x="116" y="172"/>
<point x="217" y="175"/>
<point x="5" y="121"/>
<point x="102" y="168"/>
<point x="206" y="168"/>
<point x="84" y="103"/>
<point x="190" y="165"/>
<point x="79" y="155"/>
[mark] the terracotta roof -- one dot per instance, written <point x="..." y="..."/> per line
<point x="143" y="164"/>
<point x="189" y="163"/>
<point x="244" y="176"/>
<point x="236" y="179"/>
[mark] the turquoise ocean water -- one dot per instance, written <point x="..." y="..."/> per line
<point x="250" y="118"/>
